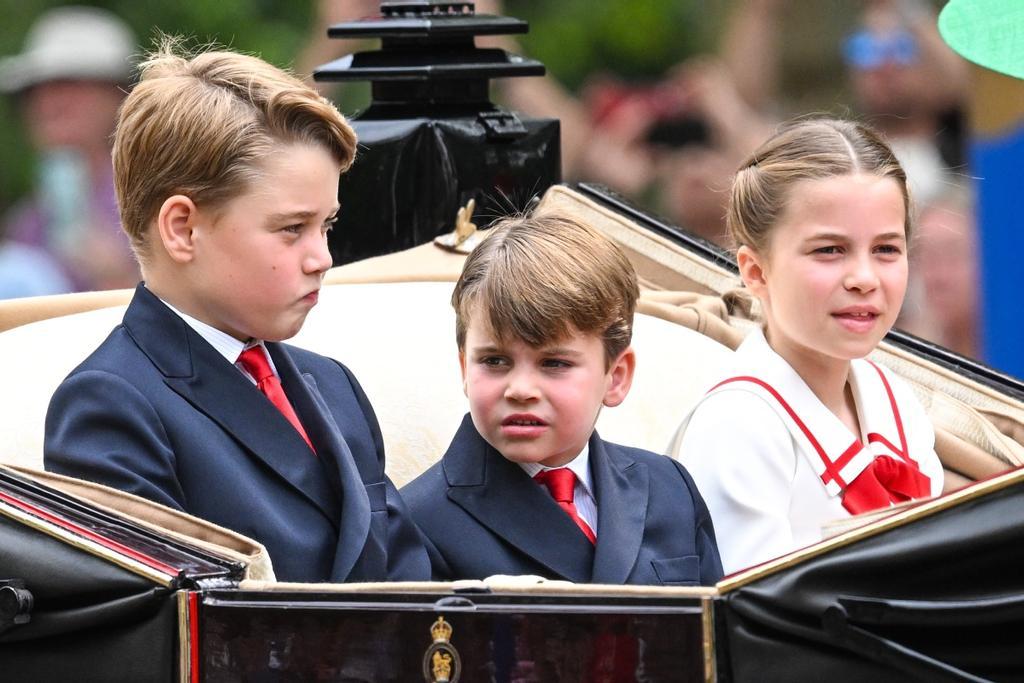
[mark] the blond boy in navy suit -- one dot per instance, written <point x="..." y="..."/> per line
<point x="226" y="170"/>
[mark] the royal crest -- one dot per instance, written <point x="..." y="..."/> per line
<point x="441" y="663"/>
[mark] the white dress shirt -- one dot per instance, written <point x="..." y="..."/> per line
<point x="224" y="343"/>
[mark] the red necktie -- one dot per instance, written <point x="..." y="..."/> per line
<point x="255" y="362"/>
<point x="561" y="482"/>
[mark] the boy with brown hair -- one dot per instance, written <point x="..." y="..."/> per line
<point x="226" y="171"/>
<point x="544" y="319"/>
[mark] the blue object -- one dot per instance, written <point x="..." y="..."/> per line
<point x="870" y="50"/>
<point x="996" y="163"/>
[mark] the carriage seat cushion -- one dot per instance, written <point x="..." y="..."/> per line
<point x="399" y="340"/>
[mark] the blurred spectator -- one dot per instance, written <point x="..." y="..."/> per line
<point x="69" y="83"/>
<point x="905" y="81"/>
<point x="674" y="143"/>
<point x="944" y="271"/>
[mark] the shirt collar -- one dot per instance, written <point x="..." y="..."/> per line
<point x="580" y="466"/>
<point x="875" y="411"/>
<point x="222" y="342"/>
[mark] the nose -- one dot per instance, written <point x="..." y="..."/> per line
<point x="318" y="260"/>
<point x="521" y="386"/>
<point x="861" y="274"/>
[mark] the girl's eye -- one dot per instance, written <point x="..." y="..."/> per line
<point x="828" y="250"/>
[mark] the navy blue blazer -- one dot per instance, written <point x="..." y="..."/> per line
<point x="158" y="412"/>
<point x="483" y="515"/>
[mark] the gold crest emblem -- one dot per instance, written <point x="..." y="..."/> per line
<point x="441" y="663"/>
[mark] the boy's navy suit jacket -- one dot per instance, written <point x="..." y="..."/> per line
<point x="158" y="412"/>
<point x="483" y="515"/>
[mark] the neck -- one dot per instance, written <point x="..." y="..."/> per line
<point x="825" y="376"/>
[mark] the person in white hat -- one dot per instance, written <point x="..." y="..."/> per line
<point x="69" y="81"/>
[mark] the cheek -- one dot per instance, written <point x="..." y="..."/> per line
<point x="481" y="389"/>
<point x="896" y="280"/>
<point x="800" y="287"/>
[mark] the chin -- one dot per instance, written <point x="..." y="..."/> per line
<point x="520" y="457"/>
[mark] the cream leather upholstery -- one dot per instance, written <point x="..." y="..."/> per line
<point x="399" y="340"/>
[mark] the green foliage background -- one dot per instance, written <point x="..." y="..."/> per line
<point x="636" y="39"/>
<point x="276" y="29"/>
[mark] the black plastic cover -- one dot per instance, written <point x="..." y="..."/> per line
<point x="937" y="599"/>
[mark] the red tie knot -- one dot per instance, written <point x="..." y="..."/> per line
<point x="255" y="362"/>
<point x="560" y="482"/>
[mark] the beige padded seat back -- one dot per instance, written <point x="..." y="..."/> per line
<point x="34" y="359"/>
<point x="399" y="340"/>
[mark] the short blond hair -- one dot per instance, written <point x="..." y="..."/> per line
<point x="805" y="149"/>
<point x="200" y="125"/>
<point x="541" y="277"/>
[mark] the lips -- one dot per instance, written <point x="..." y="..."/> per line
<point x="523" y="420"/>
<point x="312" y="297"/>
<point x="523" y="426"/>
<point x="857" y="318"/>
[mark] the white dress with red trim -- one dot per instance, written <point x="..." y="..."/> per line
<point x="774" y="464"/>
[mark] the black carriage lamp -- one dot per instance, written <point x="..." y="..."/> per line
<point x="431" y="140"/>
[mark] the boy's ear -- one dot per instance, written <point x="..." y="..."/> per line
<point x="175" y="223"/>
<point x="462" y="369"/>
<point x="752" y="270"/>
<point x="621" y="374"/>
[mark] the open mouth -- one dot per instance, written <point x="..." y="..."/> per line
<point x="857" y="321"/>
<point x="524" y="421"/>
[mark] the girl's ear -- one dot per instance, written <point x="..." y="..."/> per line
<point x="621" y="376"/>
<point x="175" y="223"/>
<point x="752" y="270"/>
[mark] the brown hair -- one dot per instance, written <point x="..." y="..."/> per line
<point x="200" y="126"/>
<point x="809" y="149"/>
<point x="538" y="278"/>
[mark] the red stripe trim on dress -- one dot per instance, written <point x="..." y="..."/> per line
<point x="831" y="469"/>
<point x="142" y="558"/>
<point x="903" y="451"/>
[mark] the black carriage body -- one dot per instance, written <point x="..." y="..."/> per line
<point x="930" y="593"/>
<point x="386" y="637"/>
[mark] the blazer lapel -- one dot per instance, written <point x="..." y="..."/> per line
<point x="334" y="456"/>
<point x="204" y="378"/>
<point x="501" y="497"/>
<point x="622" y="489"/>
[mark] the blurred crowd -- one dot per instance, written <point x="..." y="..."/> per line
<point x="68" y="83"/>
<point x="671" y="145"/>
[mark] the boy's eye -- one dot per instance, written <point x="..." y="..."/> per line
<point x="494" y="361"/>
<point x="889" y="249"/>
<point x="293" y="229"/>
<point x="556" y="363"/>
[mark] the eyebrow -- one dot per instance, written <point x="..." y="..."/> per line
<point x="839" y="237"/>
<point x="301" y="215"/>
<point x="561" y="351"/>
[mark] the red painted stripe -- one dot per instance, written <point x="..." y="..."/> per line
<point x="831" y="471"/>
<point x="120" y="548"/>
<point x="193" y="635"/>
